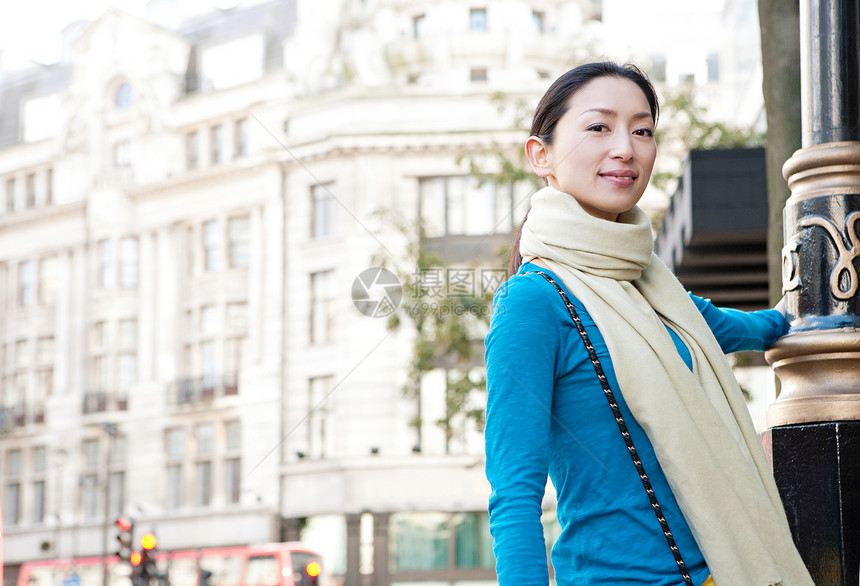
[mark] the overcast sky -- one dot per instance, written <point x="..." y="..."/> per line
<point x="31" y="29"/>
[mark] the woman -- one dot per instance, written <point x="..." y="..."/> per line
<point x="715" y="509"/>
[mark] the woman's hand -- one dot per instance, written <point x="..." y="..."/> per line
<point x="780" y="306"/>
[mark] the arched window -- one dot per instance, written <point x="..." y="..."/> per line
<point x="123" y="96"/>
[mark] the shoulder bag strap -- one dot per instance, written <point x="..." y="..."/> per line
<point x="619" y="419"/>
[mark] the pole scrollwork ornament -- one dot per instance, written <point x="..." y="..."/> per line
<point x="843" y="277"/>
<point x="790" y="269"/>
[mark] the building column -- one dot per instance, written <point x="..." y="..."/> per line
<point x="813" y="438"/>
<point x="353" y="550"/>
<point x="381" y="575"/>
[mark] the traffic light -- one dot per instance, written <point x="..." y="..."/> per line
<point x="147" y="567"/>
<point x="312" y="572"/>
<point x="124" y="537"/>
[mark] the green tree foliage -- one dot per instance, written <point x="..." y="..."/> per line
<point x="448" y="324"/>
<point x="683" y="126"/>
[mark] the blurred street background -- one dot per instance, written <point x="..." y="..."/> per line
<point x="247" y="258"/>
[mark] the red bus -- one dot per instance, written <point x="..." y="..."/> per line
<point x="274" y="564"/>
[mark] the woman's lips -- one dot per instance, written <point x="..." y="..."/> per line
<point x="620" y="178"/>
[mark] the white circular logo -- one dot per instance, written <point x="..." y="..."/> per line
<point x="376" y="292"/>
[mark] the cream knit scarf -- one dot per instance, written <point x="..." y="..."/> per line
<point x="697" y="421"/>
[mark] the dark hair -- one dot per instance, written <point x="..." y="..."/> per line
<point x="555" y="103"/>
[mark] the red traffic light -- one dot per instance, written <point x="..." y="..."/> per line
<point x="123" y="524"/>
<point x="135" y="558"/>
<point x="147" y="541"/>
<point x="313" y="569"/>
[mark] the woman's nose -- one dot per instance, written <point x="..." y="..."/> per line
<point x="622" y="147"/>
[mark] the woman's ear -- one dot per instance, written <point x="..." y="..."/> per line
<point x="539" y="156"/>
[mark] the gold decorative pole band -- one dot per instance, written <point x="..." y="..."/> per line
<point x="831" y="168"/>
<point x="818" y="362"/>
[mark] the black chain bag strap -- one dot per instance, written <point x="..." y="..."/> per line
<point x="619" y="419"/>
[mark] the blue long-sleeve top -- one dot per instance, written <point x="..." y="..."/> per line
<point x="547" y="415"/>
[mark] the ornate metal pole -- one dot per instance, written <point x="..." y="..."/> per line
<point x="814" y="435"/>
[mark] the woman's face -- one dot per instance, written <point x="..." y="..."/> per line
<point x="603" y="147"/>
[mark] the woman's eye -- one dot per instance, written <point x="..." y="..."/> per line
<point x="644" y="132"/>
<point x="598" y="128"/>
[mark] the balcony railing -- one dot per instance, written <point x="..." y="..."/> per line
<point x="190" y="391"/>
<point x="101" y="401"/>
<point x="21" y="415"/>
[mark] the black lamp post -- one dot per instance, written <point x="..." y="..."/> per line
<point x="814" y="426"/>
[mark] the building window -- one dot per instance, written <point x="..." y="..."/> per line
<point x="234" y="349"/>
<point x="209" y="366"/>
<point x="478" y="74"/>
<point x="175" y="450"/>
<point x="211" y="249"/>
<point x="322" y="307"/>
<point x="478" y="20"/>
<point x="233" y="479"/>
<point x="90" y="478"/>
<point x="538" y="21"/>
<point x="38" y="496"/>
<point x="107" y="264"/>
<point x="10" y="195"/>
<point x="128" y="334"/>
<point x="418" y="22"/>
<point x="89" y="495"/>
<point x="45" y="351"/>
<point x="233" y="461"/>
<point x="237" y="317"/>
<point x="174" y="487"/>
<point x="127" y="367"/>
<point x="26" y="283"/>
<point x="713" y="67"/>
<point x="238" y="233"/>
<point x="99" y="374"/>
<point x="323" y="218"/>
<point x="209" y="322"/>
<point x="122" y="154"/>
<point x="128" y="250"/>
<point x="422" y="541"/>
<point x="4" y="292"/>
<point x="117" y="493"/>
<point x="192" y="150"/>
<point x="44" y="376"/>
<point x="48" y="280"/>
<point x="473" y="545"/>
<point x="49" y="186"/>
<point x="204" y="435"/>
<point x="98" y="334"/>
<point x="321" y="430"/>
<point x="658" y="68"/>
<point x="191" y="245"/>
<point x="216" y="137"/>
<point x="30" y="189"/>
<point x="459" y="205"/>
<point x="123" y="96"/>
<point x="240" y="138"/>
<point x="12" y="506"/>
<point x="419" y="541"/>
